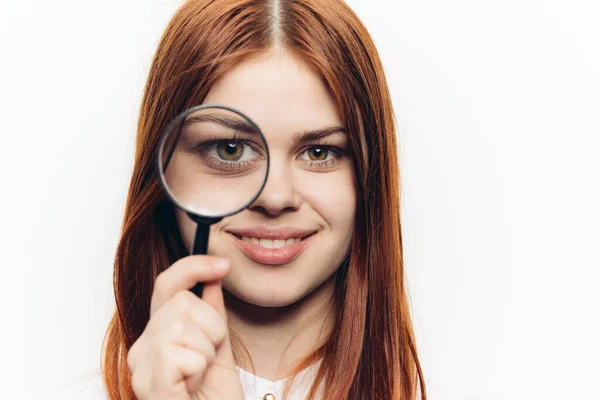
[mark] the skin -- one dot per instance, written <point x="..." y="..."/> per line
<point x="279" y="310"/>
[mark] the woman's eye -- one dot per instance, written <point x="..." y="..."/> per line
<point x="230" y="151"/>
<point x="318" y="153"/>
<point x="229" y="155"/>
<point x="322" y="157"/>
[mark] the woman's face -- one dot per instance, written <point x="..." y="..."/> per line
<point x="296" y="234"/>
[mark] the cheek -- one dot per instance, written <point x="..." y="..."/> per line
<point x="332" y="195"/>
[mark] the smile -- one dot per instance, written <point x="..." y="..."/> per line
<point x="272" y="246"/>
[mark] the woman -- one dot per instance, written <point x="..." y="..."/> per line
<point x="331" y="322"/>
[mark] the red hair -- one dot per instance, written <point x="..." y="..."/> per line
<point x="371" y="352"/>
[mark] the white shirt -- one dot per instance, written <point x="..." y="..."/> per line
<point x="91" y="386"/>
<point x="255" y="387"/>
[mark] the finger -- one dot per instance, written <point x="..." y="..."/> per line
<point x="139" y="384"/>
<point x="137" y="353"/>
<point x="204" y="316"/>
<point x="173" y="318"/>
<point x="193" y="383"/>
<point x="196" y="340"/>
<point x="134" y="354"/>
<point x="213" y="295"/>
<point x="176" y="363"/>
<point x="184" y="274"/>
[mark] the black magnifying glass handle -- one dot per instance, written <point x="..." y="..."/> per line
<point x="201" y="244"/>
<point x="200" y="247"/>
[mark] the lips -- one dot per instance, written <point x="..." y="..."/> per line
<point x="272" y="246"/>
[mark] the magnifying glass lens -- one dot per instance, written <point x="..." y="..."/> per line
<point x="214" y="161"/>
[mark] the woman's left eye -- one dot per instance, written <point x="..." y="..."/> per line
<point x="318" y="154"/>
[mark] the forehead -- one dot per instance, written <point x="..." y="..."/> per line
<point x="279" y="91"/>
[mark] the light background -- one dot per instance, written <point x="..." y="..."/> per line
<point x="498" y="113"/>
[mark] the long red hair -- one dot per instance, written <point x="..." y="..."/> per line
<point x="371" y="353"/>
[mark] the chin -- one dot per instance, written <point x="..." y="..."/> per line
<point x="278" y="292"/>
<point x="265" y="298"/>
<point x="270" y="302"/>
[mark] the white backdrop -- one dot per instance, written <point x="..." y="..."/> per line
<point x="498" y="113"/>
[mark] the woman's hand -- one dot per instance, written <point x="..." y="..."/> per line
<point x="184" y="352"/>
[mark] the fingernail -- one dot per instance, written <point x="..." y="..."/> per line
<point x="220" y="263"/>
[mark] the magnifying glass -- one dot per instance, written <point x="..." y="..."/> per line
<point x="213" y="162"/>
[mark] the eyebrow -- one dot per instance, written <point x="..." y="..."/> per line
<point x="310" y="136"/>
<point x="238" y="124"/>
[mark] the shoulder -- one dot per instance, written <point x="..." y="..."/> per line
<point x="89" y="386"/>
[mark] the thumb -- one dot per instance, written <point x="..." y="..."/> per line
<point x="213" y="295"/>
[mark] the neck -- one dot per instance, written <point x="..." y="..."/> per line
<point x="279" y="337"/>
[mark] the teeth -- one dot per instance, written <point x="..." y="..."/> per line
<point x="268" y="243"/>
<point x="271" y="244"/>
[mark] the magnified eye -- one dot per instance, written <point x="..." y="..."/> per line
<point x="318" y="153"/>
<point x="230" y="151"/>
<point x="230" y="155"/>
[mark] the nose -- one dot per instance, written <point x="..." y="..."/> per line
<point x="279" y="194"/>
